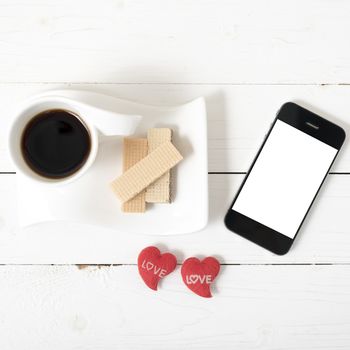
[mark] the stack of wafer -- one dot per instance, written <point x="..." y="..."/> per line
<point x="146" y="170"/>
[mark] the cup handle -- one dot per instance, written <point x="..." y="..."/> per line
<point x="111" y="123"/>
<point x="108" y="122"/>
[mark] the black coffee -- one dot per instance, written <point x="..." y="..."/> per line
<point x="55" y="143"/>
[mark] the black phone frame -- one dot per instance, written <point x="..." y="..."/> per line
<point x="313" y="125"/>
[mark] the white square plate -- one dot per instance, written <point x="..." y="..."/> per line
<point x="90" y="201"/>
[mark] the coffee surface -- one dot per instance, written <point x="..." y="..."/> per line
<point x="55" y="144"/>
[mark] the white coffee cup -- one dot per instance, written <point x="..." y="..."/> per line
<point x="98" y="122"/>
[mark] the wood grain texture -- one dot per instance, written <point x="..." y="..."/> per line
<point x="246" y="58"/>
<point x="324" y="238"/>
<point x="238" y="116"/>
<point x="254" y="307"/>
<point x="182" y="41"/>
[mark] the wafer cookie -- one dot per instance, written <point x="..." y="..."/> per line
<point x="159" y="190"/>
<point x="146" y="171"/>
<point x="134" y="149"/>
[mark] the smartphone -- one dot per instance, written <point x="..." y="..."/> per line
<point x="284" y="179"/>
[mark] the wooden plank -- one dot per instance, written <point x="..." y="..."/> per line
<point x="238" y="116"/>
<point x="254" y="307"/>
<point x="324" y="239"/>
<point x="166" y="41"/>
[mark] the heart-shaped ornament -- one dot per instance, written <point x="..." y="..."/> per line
<point x="199" y="275"/>
<point x="153" y="266"/>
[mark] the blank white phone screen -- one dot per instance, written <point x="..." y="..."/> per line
<point x="285" y="179"/>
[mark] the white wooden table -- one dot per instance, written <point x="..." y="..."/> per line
<point x="246" y="58"/>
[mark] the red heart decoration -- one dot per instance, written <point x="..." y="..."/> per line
<point x="198" y="275"/>
<point x="153" y="265"/>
